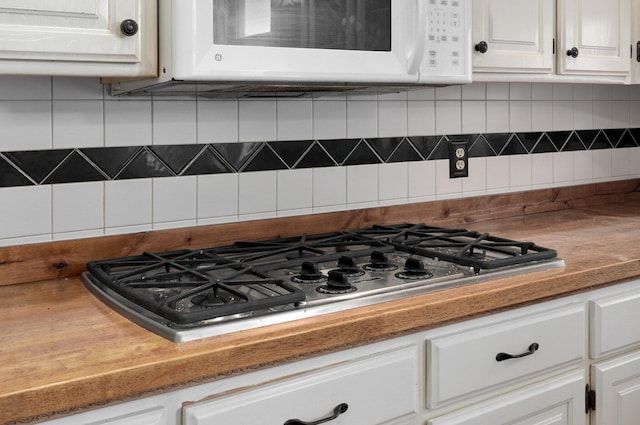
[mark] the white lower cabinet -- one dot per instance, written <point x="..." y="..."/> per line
<point x="615" y="342"/>
<point x="381" y="389"/>
<point x="558" y="401"/>
<point x="617" y="390"/>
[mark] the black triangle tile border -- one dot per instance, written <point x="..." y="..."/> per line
<point x="57" y="166"/>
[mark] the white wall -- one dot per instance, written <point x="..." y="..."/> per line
<point x="39" y="113"/>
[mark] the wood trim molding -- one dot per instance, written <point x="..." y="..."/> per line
<point x="63" y="259"/>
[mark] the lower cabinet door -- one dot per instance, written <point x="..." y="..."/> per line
<point x="558" y="401"/>
<point x="617" y="386"/>
<point x="381" y="389"/>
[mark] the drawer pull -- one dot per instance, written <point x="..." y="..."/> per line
<point x="504" y="356"/>
<point x="337" y="411"/>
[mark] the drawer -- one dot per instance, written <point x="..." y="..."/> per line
<point x="553" y="402"/>
<point x="380" y="389"/>
<point x="466" y="362"/>
<point x="609" y="323"/>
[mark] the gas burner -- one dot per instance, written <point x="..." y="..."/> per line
<point x="213" y="299"/>
<point x="309" y="273"/>
<point x="337" y="283"/>
<point x="349" y="267"/>
<point x="414" y="270"/>
<point x="379" y="263"/>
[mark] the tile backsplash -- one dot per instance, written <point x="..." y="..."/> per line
<point x="76" y="162"/>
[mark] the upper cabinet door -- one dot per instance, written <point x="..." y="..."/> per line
<point x="594" y="37"/>
<point x="78" y="33"/>
<point x="513" y="35"/>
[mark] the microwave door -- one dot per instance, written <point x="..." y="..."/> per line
<point x="320" y="41"/>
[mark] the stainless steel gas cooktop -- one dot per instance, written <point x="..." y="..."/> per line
<point x="191" y="294"/>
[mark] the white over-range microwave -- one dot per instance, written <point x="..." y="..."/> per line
<point x="294" y="47"/>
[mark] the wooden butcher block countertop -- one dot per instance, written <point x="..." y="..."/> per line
<point x="62" y="350"/>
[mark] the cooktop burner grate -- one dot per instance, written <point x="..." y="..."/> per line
<point x="461" y="246"/>
<point x="190" y="286"/>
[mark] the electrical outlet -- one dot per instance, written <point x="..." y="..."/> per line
<point x="458" y="158"/>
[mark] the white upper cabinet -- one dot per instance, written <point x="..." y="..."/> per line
<point x="594" y="37"/>
<point x="513" y="36"/>
<point x="552" y="40"/>
<point x="78" y="37"/>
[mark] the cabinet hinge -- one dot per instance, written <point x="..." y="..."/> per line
<point x="589" y="399"/>
<point x="553" y="47"/>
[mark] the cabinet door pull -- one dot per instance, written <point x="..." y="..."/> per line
<point x="482" y="47"/>
<point x="573" y="52"/>
<point x="337" y="411"/>
<point x="504" y="356"/>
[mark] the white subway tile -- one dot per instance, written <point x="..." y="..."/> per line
<point x="392" y="118"/>
<point x="127" y="123"/>
<point x="257" y="193"/>
<point x="541" y="115"/>
<point x="80" y="234"/>
<point x="474" y="116"/>
<point x="25" y="211"/>
<point x="474" y="91"/>
<point x="476" y="183"/>
<point x="295" y="189"/>
<point x="582" y="166"/>
<point x="393" y="182"/>
<point x="427" y="93"/>
<point x="362" y="185"/>
<point x="582" y="114"/>
<point x="562" y="115"/>
<point x="217" y="196"/>
<point x="520" y="115"/>
<point x="563" y="167"/>
<point x="620" y="115"/>
<point x="362" y="119"/>
<point x="78" y="123"/>
<point x="602" y="164"/>
<point x="497" y="116"/>
<point x="562" y="91"/>
<point x="583" y="92"/>
<point x="330" y="187"/>
<point x="520" y="91"/>
<point x="174" y="122"/>
<point x="634" y="113"/>
<point x="257" y="120"/>
<point x="25" y="88"/>
<point x="329" y="119"/>
<point x="542" y="91"/>
<point x="448" y="117"/>
<point x="620" y="165"/>
<point x="520" y="171"/>
<point x="217" y="121"/>
<point x="26" y="125"/>
<point x="295" y="119"/>
<point x="128" y="229"/>
<point x="542" y="169"/>
<point x="421" y="118"/>
<point x="602" y="92"/>
<point x="127" y="203"/>
<point x="634" y="162"/>
<point x="78" y="207"/>
<point x="74" y="88"/>
<point x="602" y="110"/>
<point x="446" y="187"/>
<point x="174" y="200"/>
<point x="448" y="93"/>
<point x="497" y="91"/>
<point x="422" y="179"/>
<point x="498" y="171"/>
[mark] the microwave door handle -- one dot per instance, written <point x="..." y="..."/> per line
<point x="417" y="54"/>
